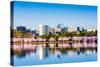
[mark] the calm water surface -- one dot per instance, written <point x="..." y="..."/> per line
<point x="28" y="54"/>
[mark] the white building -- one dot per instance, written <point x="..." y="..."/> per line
<point x="91" y="30"/>
<point x="71" y="29"/>
<point x="43" y="29"/>
<point x="57" y="29"/>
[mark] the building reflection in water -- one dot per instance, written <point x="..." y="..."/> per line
<point x="44" y="51"/>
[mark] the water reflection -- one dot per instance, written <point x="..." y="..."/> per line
<point x="45" y="50"/>
<point x="57" y="50"/>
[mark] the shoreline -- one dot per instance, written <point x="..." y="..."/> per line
<point x="53" y="40"/>
<point x="50" y="42"/>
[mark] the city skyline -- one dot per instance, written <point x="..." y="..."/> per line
<point x="55" y="27"/>
<point x="33" y="14"/>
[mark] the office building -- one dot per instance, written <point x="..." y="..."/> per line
<point x="43" y="29"/>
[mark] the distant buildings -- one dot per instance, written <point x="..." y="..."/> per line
<point x="51" y="30"/>
<point x="28" y="32"/>
<point x="34" y="32"/>
<point x="57" y="30"/>
<point x="64" y="29"/>
<point x="60" y="26"/>
<point x="79" y="29"/>
<point x="71" y="29"/>
<point x="43" y="29"/>
<point x="91" y="30"/>
<point x="21" y="28"/>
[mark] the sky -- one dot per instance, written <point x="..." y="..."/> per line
<point x="31" y="14"/>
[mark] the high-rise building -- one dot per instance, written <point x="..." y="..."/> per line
<point x="43" y="29"/>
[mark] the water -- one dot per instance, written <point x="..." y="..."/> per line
<point x="33" y="54"/>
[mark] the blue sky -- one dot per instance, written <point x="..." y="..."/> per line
<point x="31" y="14"/>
